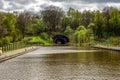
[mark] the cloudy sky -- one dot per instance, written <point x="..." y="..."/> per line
<point x="37" y="5"/>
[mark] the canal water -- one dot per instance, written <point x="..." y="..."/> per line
<point x="63" y="63"/>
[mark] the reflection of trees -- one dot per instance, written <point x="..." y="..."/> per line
<point x="107" y="63"/>
<point x="82" y="64"/>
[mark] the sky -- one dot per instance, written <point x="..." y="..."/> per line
<point x="37" y="5"/>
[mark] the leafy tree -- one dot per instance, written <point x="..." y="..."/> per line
<point x="52" y="16"/>
<point x="87" y="17"/>
<point x="68" y="30"/>
<point x="64" y="23"/>
<point x="3" y="29"/>
<point x="81" y="34"/>
<point x="74" y="18"/>
<point x="100" y="24"/>
<point x="23" y="22"/>
<point x="114" y="22"/>
<point x="9" y="22"/>
<point x="90" y="31"/>
<point x="37" y="27"/>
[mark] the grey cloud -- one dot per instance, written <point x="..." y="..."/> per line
<point x="1" y="4"/>
<point x="16" y="6"/>
<point x="87" y="1"/>
<point x="22" y="1"/>
<point x="37" y="5"/>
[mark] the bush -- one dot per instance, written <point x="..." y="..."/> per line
<point x="114" y="40"/>
<point x="7" y="40"/>
<point x="44" y="36"/>
<point x="27" y="39"/>
<point x="81" y="34"/>
<point x="0" y="42"/>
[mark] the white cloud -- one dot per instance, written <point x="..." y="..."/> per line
<point x="37" y="5"/>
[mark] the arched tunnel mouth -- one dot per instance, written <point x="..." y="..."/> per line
<point x="60" y="39"/>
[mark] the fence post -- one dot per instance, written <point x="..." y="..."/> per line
<point x="0" y="50"/>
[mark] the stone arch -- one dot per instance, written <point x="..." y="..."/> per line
<point x="60" y="39"/>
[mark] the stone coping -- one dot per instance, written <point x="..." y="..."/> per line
<point x="11" y="54"/>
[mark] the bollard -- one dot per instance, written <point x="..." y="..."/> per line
<point x="0" y="51"/>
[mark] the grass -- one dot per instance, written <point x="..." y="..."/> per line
<point x="35" y="39"/>
<point x="38" y="39"/>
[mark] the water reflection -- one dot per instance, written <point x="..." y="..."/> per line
<point x="95" y="65"/>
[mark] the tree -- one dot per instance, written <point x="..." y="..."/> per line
<point x="10" y="22"/>
<point x="37" y="27"/>
<point x="23" y="22"/>
<point x="64" y="23"/>
<point x="3" y="29"/>
<point x="114" y="22"/>
<point x="87" y="17"/>
<point x="81" y="34"/>
<point x="52" y="16"/>
<point x="100" y="24"/>
<point x="90" y="31"/>
<point x="68" y="30"/>
<point x="74" y="18"/>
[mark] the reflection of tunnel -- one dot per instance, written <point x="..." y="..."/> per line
<point x="60" y="39"/>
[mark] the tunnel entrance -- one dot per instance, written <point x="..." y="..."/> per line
<point x="60" y="39"/>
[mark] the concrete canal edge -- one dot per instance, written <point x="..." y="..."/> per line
<point x="15" y="53"/>
<point x="106" y="47"/>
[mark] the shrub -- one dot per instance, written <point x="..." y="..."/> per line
<point x="81" y="34"/>
<point x="0" y="42"/>
<point x="7" y="40"/>
<point x="114" y="40"/>
<point x="44" y="36"/>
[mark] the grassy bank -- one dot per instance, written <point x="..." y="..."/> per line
<point x="40" y="40"/>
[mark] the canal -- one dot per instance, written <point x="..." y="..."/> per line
<point x="63" y="63"/>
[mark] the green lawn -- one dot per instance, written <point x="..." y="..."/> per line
<point x="38" y="39"/>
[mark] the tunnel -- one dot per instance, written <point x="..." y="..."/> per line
<point x="60" y="39"/>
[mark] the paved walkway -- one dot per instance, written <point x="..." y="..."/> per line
<point x="14" y="53"/>
<point x="107" y="47"/>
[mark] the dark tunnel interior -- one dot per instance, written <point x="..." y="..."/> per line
<point x="60" y="39"/>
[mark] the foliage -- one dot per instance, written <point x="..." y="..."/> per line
<point x="52" y="16"/>
<point x="37" y="27"/>
<point x="1" y="42"/>
<point x="6" y="40"/>
<point x="81" y="34"/>
<point x="97" y="25"/>
<point x="87" y="17"/>
<point x="90" y="31"/>
<point x="35" y="39"/>
<point x="38" y="39"/>
<point x="100" y="24"/>
<point x="9" y="23"/>
<point x="64" y="23"/>
<point x="114" y="22"/>
<point x="68" y="30"/>
<point x="74" y="17"/>
<point x="44" y="36"/>
<point x="23" y="22"/>
<point x="114" y="41"/>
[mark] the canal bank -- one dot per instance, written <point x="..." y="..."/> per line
<point x="107" y="47"/>
<point x="11" y="54"/>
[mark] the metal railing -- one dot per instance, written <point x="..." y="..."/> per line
<point x="18" y="45"/>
